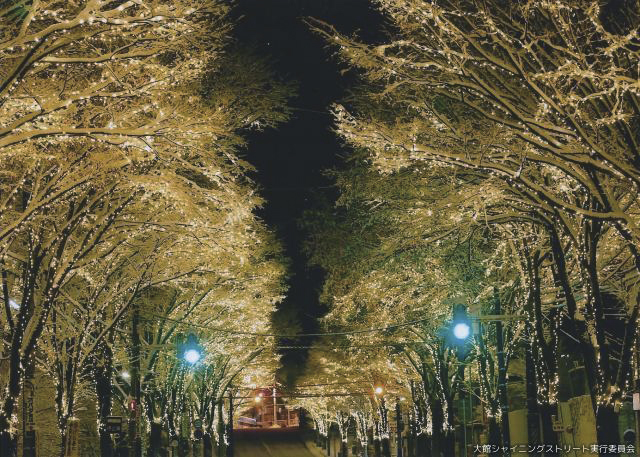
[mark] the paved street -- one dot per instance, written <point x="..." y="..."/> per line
<point x="272" y="443"/>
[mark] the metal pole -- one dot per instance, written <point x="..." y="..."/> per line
<point x="502" y="379"/>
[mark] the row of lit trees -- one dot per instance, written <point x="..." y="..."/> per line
<point x="125" y="215"/>
<point x="496" y="147"/>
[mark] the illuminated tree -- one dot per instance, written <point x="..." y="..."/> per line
<point x="118" y="127"/>
<point x="538" y="101"/>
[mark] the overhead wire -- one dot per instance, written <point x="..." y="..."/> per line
<point x="300" y="335"/>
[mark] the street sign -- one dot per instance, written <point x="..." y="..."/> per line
<point x="557" y="425"/>
<point x="114" y="424"/>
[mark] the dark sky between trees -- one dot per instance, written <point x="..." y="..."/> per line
<point x="290" y="160"/>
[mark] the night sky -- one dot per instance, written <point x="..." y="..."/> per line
<point x="291" y="159"/>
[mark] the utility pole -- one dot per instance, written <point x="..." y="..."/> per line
<point x="502" y="378"/>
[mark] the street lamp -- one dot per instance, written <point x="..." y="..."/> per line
<point x="379" y="390"/>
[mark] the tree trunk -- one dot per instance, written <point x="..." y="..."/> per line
<point x="411" y="437"/>
<point x="495" y="434"/>
<point x="549" y="437"/>
<point x="183" y="447"/>
<point x="221" y="431"/>
<point x="533" y="416"/>
<point x="423" y="445"/>
<point x="134" y="426"/>
<point x="364" y="447"/>
<point x="104" y="409"/>
<point x="155" y="440"/>
<point x="607" y="426"/>
<point x="8" y="442"/>
<point x="386" y="447"/>
<point x="102" y="378"/>
<point x="448" y="444"/>
<point x="437" y="438"/>
<point x="208" y="445"/>
<point x="502" y="376"/>
<point x="588" y="354"/>
<point x="343" y="447"/>
<point x="106" y="445"/>
<point x="377" y="447"/>
<point x="63" y="424"/>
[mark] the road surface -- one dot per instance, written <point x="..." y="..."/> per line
<point x="272" y="443"/>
